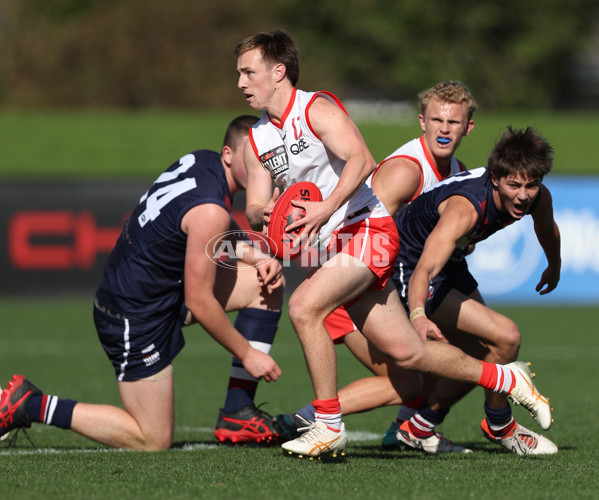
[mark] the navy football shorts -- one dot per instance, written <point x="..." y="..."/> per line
<point x="454" y="276"/>
<point x="138" y="349"/>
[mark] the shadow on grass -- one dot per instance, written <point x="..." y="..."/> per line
<point x="375" y="451"/>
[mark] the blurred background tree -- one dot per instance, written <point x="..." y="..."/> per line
<point x="153" y="54"/>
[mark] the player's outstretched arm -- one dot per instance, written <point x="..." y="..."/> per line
<point x="549" y="238"/>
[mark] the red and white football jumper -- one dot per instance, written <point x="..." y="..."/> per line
<point x="291" y="152"/>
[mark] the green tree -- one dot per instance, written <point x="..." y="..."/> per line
<point x="151" y="53"/>
<point x="511" y="53"/>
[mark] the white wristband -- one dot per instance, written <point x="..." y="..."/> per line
<point x="416" y="313"/>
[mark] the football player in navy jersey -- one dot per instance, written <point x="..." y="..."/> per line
<point x="435" y="285"/>
<point x="164" y="273"/>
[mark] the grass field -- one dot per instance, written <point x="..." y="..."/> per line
<point x="92" y="145"/>
<point x="52" y="341"/>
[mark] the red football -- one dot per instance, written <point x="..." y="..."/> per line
<point x="284" y="213"/>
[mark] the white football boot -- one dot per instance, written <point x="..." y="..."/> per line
<point x="521" y="441"/>
<point x="527" y="395"/>
<point x="318" y="440"/>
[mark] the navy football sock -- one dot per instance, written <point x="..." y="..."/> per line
<point x="259" y="327"/>
<point x="51" y="410"/>
<point x="435" y="417"/>
<point x="308" y="412"/>
<point x="423" y="424"/>
<point x="499" y="420"/>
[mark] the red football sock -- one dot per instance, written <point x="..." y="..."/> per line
<point x="329" y="412"/>
<point x="497" y="378"/>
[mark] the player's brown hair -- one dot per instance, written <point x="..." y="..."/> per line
<point x="521" y="151"/>
<point x="276" y="47"/>
<point x="238" y="129"/>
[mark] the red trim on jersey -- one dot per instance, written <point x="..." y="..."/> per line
<point x="253" y="143"/>
<point x="377" y="167"/>
<point x="286" y="112"/>
<point x="411" y="158"/>
<point x="335" y="100"/>
<point x="431" y="160"/>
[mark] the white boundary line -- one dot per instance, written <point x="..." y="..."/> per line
<point x="352" y="436"/>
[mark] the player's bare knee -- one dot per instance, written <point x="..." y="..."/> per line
<point x="408" y="357"/>
<point x="298" y="307"/>
<point x="298" y="313"/>
<point x="158" y="442"/>
<point x="304" y="315"/>
<point x="509" y="342"/>
<point x="294" y="309"/>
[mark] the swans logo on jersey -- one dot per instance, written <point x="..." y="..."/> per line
<point x="275" y="160"/>
<point x="296" y="134"/>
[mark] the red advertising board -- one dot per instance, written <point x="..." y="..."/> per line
<point x="55" y="236"/>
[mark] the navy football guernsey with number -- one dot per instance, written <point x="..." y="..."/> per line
<point x="420" y="217"/>
<point x="143" y="276"/>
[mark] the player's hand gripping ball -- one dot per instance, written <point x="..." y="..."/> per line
<point x="284" y="213"/>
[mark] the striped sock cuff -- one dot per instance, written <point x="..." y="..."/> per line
<point x="56" y="411"/>
<point x="421" y="427"/>
<point x="496" y="378"/>
<point x="328" y="411"/>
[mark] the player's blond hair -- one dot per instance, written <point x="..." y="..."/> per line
<point x="451" y="91"/>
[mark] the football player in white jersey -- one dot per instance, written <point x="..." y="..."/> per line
<point x="446" y="117"/>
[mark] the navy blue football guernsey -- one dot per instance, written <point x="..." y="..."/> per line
<point x="417" y="221"/>
<point x="143" y="276"/>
